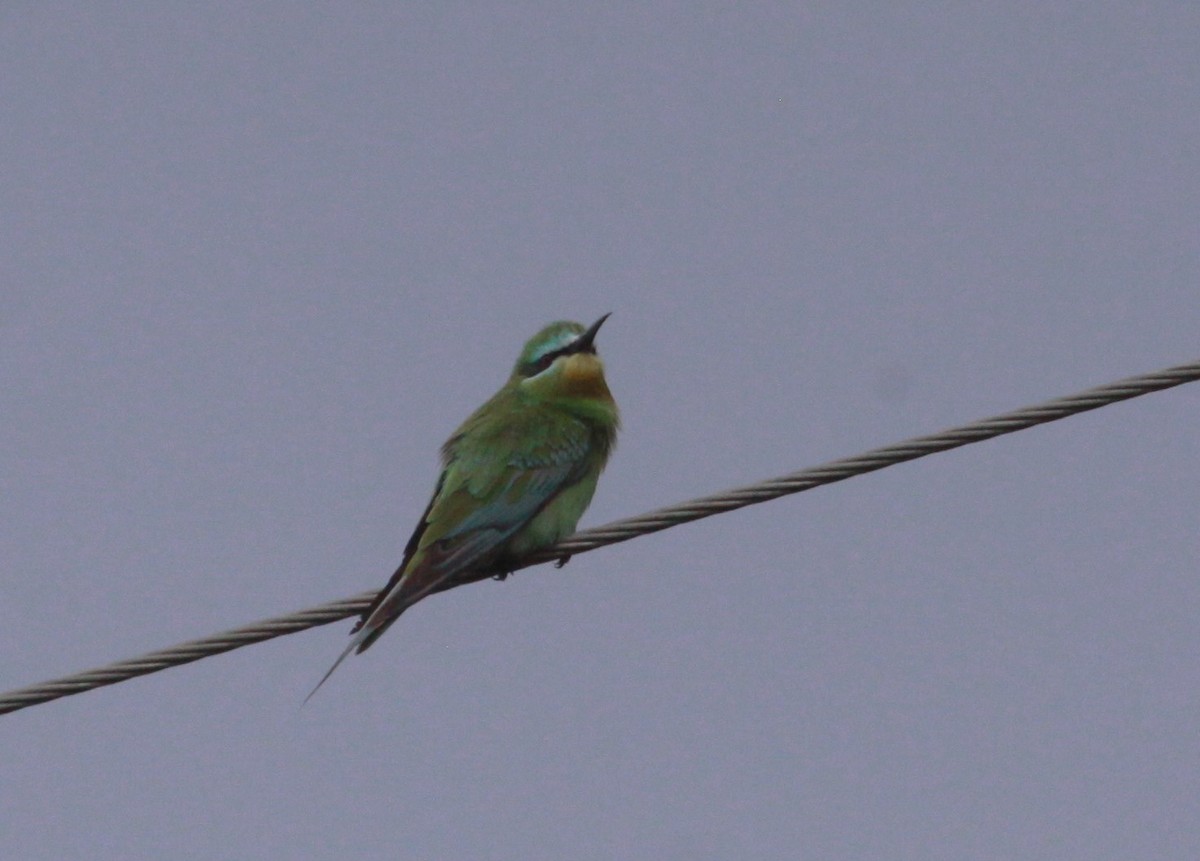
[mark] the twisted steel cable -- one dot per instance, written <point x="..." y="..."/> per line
<point x="623" y="530"/>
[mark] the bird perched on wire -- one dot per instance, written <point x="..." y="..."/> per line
<point x="516" y="476"/>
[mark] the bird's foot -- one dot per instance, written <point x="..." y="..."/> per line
<point x="502" y="576"/>
<point x="562" y="560"/>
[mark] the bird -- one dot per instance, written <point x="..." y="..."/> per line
<point x="516" y="477"/>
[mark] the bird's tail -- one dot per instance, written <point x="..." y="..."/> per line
<point x="359" y="638"/>
<point x="380" y="616"/>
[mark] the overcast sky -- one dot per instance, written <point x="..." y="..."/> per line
<point x="257" y="261"/>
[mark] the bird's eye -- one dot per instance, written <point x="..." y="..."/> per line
<point x="544" y="362"/>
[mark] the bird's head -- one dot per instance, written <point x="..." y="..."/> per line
<point x="560" y="361"/>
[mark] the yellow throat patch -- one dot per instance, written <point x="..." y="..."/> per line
<point x="583" y="377"/>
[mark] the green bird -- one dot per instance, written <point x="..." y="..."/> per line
<point x="516" y="476"/>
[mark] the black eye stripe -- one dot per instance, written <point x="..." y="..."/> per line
<point x="546" y="360"/>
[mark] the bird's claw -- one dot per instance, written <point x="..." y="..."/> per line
<point x="562" y="560"/>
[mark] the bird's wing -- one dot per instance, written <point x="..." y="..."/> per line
<point x="481" y="501"/>
<point x="410" y="550"/>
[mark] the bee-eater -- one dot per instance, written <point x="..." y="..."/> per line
<point x="516" y="476"/>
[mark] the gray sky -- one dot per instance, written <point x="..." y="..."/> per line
<point x="258" y="263"/>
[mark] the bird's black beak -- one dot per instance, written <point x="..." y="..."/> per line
<point x="583" y="344"/>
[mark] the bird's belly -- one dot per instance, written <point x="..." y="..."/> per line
<point x="556" y="521"/>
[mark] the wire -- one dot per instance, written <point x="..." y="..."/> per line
<point x="623" y="530"/>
